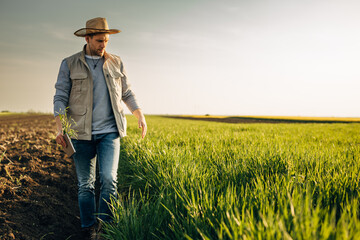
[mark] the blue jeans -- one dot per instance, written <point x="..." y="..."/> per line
<point x="106" y="149"/>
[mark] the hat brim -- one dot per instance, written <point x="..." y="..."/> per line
<point x="86" y="31"/>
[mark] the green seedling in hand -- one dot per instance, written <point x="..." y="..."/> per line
<point x="66" y="123"/>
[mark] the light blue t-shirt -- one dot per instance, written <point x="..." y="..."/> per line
<point x="103" y="120"/>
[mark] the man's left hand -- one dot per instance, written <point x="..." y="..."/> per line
<point x="143" y="126"/>
<point x="141" y="121"/>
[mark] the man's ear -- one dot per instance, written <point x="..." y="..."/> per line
<point x="87" y="39"/>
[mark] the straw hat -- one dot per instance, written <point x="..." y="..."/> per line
<point x="95" y="25"/>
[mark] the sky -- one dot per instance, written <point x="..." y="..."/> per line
<point x="241" y="57"/>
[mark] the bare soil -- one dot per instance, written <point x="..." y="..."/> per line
<point x="38" y="186"/>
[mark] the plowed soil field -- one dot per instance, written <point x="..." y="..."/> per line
<point x="38" y="186"/>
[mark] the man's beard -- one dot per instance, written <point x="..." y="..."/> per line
<point x="98" y="52"/>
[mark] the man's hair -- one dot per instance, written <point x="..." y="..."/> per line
<point x="93" y="34"/>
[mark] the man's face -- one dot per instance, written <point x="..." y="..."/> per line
<point x="97" y="43"/>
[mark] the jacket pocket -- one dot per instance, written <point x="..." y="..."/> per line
<point x="114" y="80"/>
<point x="116" y="76"/>
<point x="78" y="81"/>
<point x="78" y="114"/>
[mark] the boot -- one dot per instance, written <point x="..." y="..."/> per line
<point x="89" y="233"/>
<point x="99" y="231"/>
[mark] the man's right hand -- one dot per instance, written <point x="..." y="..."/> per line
<point x="60" y="139"/>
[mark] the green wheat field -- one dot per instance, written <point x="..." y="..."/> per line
<point x="210" y="180"/>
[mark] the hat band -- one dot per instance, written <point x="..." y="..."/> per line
<point x="84" y="31"/>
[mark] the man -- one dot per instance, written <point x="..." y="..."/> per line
<point x="91" y="84"/>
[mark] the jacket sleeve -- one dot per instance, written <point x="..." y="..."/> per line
<point x="128" y="95"/>
<point x="63" y="88"/>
